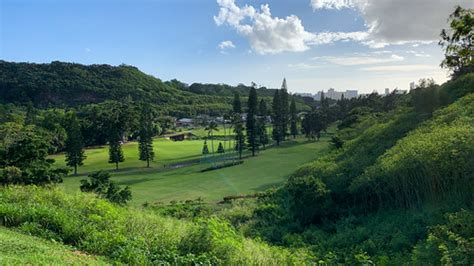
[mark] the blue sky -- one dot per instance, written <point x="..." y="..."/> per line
<point x="315" y="44"/>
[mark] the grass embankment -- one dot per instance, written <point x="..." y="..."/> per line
<point x="270" y="168"/>
<point x="19" y="249"/>
<point x="133" y="236"/>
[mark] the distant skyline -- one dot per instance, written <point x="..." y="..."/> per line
<point x="316" y="44"/>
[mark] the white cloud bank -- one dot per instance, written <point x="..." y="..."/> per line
<point x="271" y="35"/>
<point x="388" y="22"/>
<point x="399" y="21"/>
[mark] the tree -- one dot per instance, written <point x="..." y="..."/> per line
<point x="276" y="118"/>
<point x="115" y="150"/>
<point x="220" y="148"/>
<point x="313" y="123"/>
<point x="145" y="135"/>
<point x="25" y="161"/>
<point x="284" y="112"/>
<point x="74" y="143"/>
<point x="458" y="42"/>
<point x="261" y="125"/>
<point x="236" y="104"/>
<point x="293" y="119"/>
<point x="239" y="134"/>
<point x="205" y="149"/>
<point x="211" y="127"/>
<point x="251" y="123"/>
<point x="100" y="184"/>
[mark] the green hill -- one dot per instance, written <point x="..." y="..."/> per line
<point x="61" y="84"/>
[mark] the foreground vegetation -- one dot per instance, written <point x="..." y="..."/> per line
<point x="131" y="236"/>
<point x="20" y="249"/>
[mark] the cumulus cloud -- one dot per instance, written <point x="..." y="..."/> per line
<point x="401" y="21"/>
<point x="270" y="35"/>
<point x="226" y="45"/>
<point x="359" y="60"/>
<point x="331" y="4"/>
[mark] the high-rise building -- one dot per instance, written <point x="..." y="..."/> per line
<point x="387" y="91"/>
<point x="412" y="85"/>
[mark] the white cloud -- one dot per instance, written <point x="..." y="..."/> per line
<point x="359" y="60"/>
<point x="226" y="45"/>
<point x="271" y="35"/>
<point x="331" y="4"/>
<point x="401" y="68"/>
<point x="87" y="50"/>
<point x="400" y="21"/>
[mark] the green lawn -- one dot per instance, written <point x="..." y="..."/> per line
<point x="19" y="249"/>
<point x="270" y="168"/>
<point x="166" y="152"/>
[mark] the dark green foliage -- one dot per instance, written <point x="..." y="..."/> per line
<point x="145" y="140"/>
<point x="313" y="123"/>
<point x="24" y="159"/>
<point x="449" y="243"/>
<point x="251" y="121"/>
<point x="278" y="133"/>
<point x="100" y="184"/>
<point x="115" y="151"/>
<point x="239" y="134"/>
<point x="236" y="104"/>
<point x="261" y="124"/>
<point x="205" y="149"/>
<point x="458" y="42"/>
<point x="220" y="148"/>
<point x="337" y="142"/>
<point x="293" y="119"/>
<point x="74" y="144"/>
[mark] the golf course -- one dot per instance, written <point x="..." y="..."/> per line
<point x="175" y="174"/>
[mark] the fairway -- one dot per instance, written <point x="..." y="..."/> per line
<point x="270" y="168"/>
<point x="166" y="152"/>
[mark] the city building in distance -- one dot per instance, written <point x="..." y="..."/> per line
<point x="332" y="94"/>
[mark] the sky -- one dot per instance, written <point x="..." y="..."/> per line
<point x="316" y="44"/>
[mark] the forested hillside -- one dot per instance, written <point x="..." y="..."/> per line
<point x="61" y="84"/>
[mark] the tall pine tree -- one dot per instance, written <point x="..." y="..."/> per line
<point x="284" y="112"/>
<point x="261" y="125"/>
<point x="293" y="119"/>
<point x="74" y="143"/>
<point x="115" y="149"/>
<point x="145" y="140"/>
<point x="251" y="122"/>
<point x="276" y="118"/>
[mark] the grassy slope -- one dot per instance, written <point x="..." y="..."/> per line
<point x="20" y="249"/>
<point x="270" y="168"/>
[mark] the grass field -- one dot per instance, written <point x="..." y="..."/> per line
<point x="19" y="249"/>
<point x="270" y="168"/>
<point x="166" y="152"/>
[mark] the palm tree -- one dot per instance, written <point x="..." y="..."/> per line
<point x="211" y="127"/>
